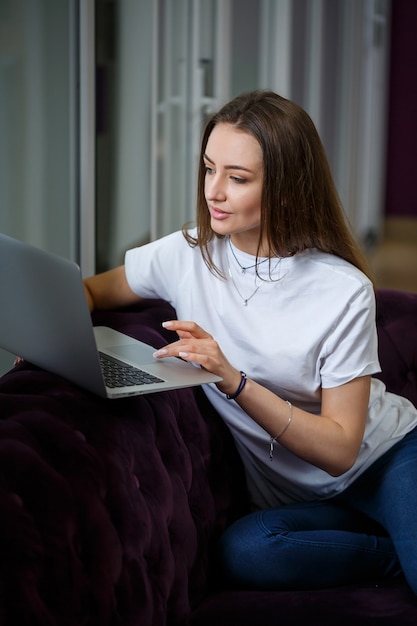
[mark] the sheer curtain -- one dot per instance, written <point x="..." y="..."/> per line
<point x="124" y="60"/>
<point x="330" y="56"/>
<point x="36" y="124"/>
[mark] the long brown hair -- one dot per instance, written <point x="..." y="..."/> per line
<point x="300" y="207"/>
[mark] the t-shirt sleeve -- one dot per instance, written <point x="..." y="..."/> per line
<point x="351" y="349"/>
<point x="151" y="270"/>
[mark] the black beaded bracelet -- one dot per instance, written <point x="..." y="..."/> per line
<point x="239" y="389"/>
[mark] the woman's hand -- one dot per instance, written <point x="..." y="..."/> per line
<point x="198" y="346"/>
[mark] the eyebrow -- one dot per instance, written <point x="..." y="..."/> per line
<point x="229" y="167"/>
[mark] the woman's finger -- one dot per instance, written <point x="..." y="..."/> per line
<point x="181" y="326"/>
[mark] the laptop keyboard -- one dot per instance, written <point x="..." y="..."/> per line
<point x="119" y="374"/>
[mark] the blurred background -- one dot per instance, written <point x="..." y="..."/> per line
<point x="102" y="104"/>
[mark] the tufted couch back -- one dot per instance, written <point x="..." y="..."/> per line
<point x="397" y="334"/>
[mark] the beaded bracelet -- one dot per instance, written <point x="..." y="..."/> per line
<point x="240" y="387"/>
<point x="272" y="440"/>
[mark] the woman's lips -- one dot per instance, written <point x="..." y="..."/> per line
<point x="218" y="214"/>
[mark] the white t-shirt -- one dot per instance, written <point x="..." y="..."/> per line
<point x="309" y="324"/>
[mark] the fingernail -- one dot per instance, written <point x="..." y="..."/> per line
<point x="160" y="352"/>
<point x="183" y="355"/>
<point x="167" y="324"/>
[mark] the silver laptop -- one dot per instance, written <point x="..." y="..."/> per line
<point x="44" y="318"/>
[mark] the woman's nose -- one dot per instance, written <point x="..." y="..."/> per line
<point x="215" y="189"/>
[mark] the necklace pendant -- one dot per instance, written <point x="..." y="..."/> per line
<point x="243" y="270"/>
<point x="245" y="303"/>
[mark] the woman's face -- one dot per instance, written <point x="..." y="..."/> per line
<point x="233" y="185"/>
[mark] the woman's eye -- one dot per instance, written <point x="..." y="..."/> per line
<point x="239" y="181"/>
<point x="208" y="170"/>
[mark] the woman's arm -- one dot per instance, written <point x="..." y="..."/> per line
<point x="109" y="290"/>
<point x="330" y="440"/>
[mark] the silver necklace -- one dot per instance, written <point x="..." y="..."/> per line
<point x="242" y="267"/>
<point x="245" y="300"/>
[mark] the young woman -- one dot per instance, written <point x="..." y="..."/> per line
<point x="272" y="294"/>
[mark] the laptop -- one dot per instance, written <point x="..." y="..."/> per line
<point x="44" y="318"/>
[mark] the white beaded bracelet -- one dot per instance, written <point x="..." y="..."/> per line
<point x="272" y="440"/>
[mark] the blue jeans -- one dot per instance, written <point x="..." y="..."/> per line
<point x="368" y="532"/>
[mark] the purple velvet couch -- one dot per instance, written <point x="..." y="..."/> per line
<point x="110" y="510"/>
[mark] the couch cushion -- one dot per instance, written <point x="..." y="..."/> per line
<point x="359" y="605"/>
